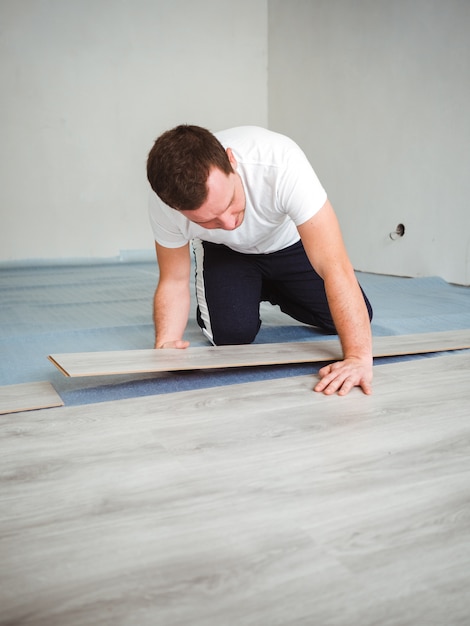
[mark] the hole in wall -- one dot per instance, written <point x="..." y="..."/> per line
<point x="398" y="232"/>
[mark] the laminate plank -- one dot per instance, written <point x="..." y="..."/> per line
<point x="28" y="397"/>
<point x="253" y="504"/>
<point x="146" y="361"/>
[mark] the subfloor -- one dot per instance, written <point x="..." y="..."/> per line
<point x="230" y="497"/>
<point x="52" y="310"/>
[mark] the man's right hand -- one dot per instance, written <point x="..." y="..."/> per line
<point x="179" y="344"/>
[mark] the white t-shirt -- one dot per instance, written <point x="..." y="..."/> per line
<point x="282" y="191"/>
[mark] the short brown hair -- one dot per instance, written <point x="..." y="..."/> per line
<point x="179" y="164"/>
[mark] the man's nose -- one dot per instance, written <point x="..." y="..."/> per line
<point x="228" y="221"/>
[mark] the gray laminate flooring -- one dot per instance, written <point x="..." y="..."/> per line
<point x="145" y="361"/>
<point x="28" y="396"/>
<point x="255" y="504"/>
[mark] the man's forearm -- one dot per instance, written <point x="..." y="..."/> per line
<point x="352" y="323"/>
<point x="350" y="316"/>
<point x="170" y="313"/>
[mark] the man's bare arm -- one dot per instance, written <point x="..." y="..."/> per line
<point x="323" y="243"/>
<point x="172" y="296"/>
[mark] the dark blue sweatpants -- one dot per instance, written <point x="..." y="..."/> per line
<point x="230" y="286"/>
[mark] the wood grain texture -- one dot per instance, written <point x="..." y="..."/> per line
<point x="145" y="361"/>
<point x="27" y="397"/>
<point x="253" y="504"/>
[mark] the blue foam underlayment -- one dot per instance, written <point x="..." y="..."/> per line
<point x="56" y="309"/>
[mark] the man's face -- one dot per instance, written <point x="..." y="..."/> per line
<point x="225" y="204"/>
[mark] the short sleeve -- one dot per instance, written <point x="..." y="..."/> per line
<point x="299" y="191"/>
<point x="167" y="230"/>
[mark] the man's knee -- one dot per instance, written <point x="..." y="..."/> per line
<point x="234" y="335"/>
<point x="223" y="332"/>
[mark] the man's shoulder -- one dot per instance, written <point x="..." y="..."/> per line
<point x="243" y="131"/>
<point x="255" y="142"/>
<point x="255" y="133"/>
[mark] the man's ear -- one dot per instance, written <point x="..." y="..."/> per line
<point x="231" y="158"/>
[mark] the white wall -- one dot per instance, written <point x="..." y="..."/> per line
<point x="87" y="85"/>
<point x="378" y="94"/>
<point x="375" y="91"/>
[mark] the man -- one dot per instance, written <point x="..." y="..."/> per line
<point x="262" y="229"/>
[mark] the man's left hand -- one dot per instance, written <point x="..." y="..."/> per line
<point x="342" y="376"/>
